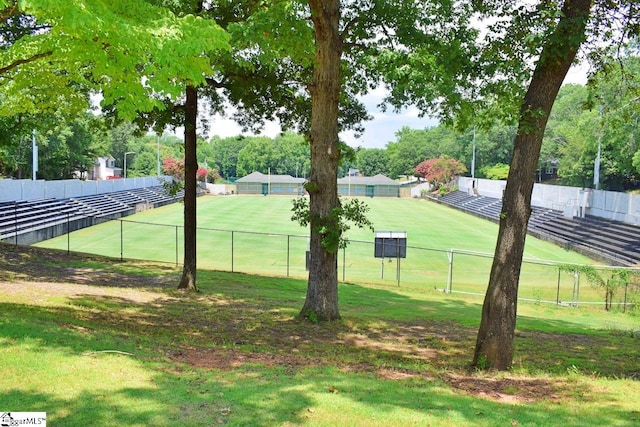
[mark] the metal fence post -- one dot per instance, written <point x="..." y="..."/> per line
<point x="15" y="222"/>
<point x="576" y="287"/>
<point x="68" y="235"/>
<point x="121" y="242"/>
<point x="288" y="249"/>
<point x="344" y="263"/>
<point x="450" y="273"/>
<point x="232" y="234"/>
<point x="176" y="245"/>
<point x="558" y="291"/>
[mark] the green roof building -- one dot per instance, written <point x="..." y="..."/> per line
<point x="259" y="183"/>
<point x="368" y="186"/>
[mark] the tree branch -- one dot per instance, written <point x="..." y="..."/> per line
<point x="355" y="46"/>
<point x="19" y="62"/>
<point x="215" y="83"/>
<point x="347" y="27"/>
<point x="9" y="11"/>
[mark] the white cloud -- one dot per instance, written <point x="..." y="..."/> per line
<point x="577" y="74"/>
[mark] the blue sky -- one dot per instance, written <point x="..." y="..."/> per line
<point x="379" y="131"/>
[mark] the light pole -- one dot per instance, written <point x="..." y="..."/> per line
<point x="35" y="154"/>
<point x="125" y="162"/>
<point x="596" y="163"/>
<point x="158" y="142"/>
<point x="473" y="155"/>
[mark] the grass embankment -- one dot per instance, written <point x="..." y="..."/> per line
<point x="93" y="341"/>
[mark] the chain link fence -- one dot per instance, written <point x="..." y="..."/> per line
<point x="285" y="255"/>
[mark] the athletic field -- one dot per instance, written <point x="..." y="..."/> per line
<point x="446" y="248"/>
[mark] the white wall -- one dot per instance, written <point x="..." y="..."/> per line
<point x="416" y="190"/>
<point x="9" y="191"/>
<point x="572" y="201"/>
<point x="33" y="189"/>
<point x="484" y="187"/>
<point x="26" y="189"/>
<point x="221" y="188"/>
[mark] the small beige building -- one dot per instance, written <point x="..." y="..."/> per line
<point x="368" y="186"/>
<point x="259" y="183"/>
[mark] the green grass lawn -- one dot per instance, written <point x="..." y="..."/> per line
<point x="107" y="343"/>
<point x="265" y="241"/>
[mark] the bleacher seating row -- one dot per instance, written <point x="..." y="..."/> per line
<point x="610" y="241"/>
<point x="17" y="218"/>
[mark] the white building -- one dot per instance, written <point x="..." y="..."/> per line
<point x="104" y="168"/>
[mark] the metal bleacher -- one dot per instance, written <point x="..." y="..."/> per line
<point x="614" y="241"/>
<point x="34" y="220"/>
<point x="606" y="240"/>
<point x="484" y="207"/>
<point x="23" y="217"/>
<point x="99" y="205"/>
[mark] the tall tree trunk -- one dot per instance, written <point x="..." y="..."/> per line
<point x="322" y="291"/>
<point x="188" y="280"/>
<point x="494" y="345"/>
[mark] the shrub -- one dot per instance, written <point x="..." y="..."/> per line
<point x="440" y="171"/>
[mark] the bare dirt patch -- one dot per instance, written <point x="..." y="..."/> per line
<point x="508" y="389"/>
<point x="499" y="389"/>
<point x="226" y="359"/>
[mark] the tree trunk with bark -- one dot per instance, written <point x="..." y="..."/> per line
<point x="188" y="281"/>
<point x="494" y="345"/>
<point x="322" y="291"/>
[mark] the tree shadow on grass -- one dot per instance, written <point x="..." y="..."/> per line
<point x="379" y="324"/>
<point x="254" y="395"/>
<point x="237" y="354"/>
<point x="45" y="265"/>
<point x="240" y="337"/>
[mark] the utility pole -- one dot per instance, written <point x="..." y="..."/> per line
<point x="34" y="167"/>
<point x="158" y="141"/>
<point x="473" y="155"/>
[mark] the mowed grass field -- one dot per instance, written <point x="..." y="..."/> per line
<point x="256" y="235"/>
